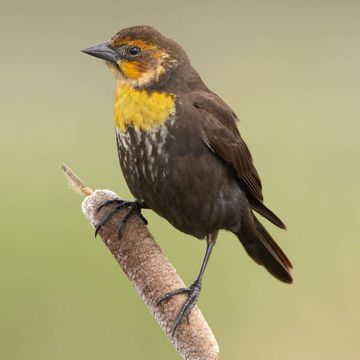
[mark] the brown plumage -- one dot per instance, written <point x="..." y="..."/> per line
<point x="182" y="154"/>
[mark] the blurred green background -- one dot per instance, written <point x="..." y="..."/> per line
<point x="290" y="70"/>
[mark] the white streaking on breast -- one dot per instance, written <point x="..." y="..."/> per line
<point x="143" y="153"/>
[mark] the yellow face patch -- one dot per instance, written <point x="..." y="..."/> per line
<point x="147" y="68"/>
<point x="131" y="69"/>
<point x="140" y="108"/>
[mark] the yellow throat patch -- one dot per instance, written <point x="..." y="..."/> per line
<point x="141" y="109"/>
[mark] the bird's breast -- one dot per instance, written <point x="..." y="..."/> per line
<point x="144" y="157"/>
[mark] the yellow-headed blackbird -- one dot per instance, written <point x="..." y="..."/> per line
<point x="181" y="152"/>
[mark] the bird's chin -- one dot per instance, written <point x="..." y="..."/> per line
<point x="115" y="69"/>
<point x="146" y="79"/>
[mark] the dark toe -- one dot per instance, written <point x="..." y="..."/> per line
<point x="171" y="294"/>
<point x="132" y="207"/>
<point x="193" y="295"/>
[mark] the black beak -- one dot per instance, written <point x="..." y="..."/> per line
<point x="103" y="51"/>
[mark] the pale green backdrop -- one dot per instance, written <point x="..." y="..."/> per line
<point x="290" y="70"/>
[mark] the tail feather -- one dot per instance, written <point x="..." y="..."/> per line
<point x="261" y="209"/>
<point x="273" y="245"/>
<point x="263" y="249"/>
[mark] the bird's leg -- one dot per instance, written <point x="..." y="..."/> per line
<point x="132" y="207"/>
<point x="194" y="290"/>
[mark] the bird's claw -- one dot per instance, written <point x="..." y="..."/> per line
<point x="132" y="207"/>
<point x="193" y="295"/>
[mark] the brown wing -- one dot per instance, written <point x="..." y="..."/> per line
<point x="221" y="135"/>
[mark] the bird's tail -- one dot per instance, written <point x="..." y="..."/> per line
<point x="263" y="249"/>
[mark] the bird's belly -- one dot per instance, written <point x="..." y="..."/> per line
<point x="194" y="191"/>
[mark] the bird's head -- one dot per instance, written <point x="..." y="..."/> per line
<point x="140" y="56"/>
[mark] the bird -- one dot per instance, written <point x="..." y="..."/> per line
<point x="182" y="155"/>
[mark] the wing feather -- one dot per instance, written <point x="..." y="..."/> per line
<point x="221" y="135"/>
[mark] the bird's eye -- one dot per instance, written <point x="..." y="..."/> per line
<point x="134" y="51"/>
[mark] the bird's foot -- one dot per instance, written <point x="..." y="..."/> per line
<point x="193" y="295"/>
<point x="132" y="207"/>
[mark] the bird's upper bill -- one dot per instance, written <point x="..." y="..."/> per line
<point x="139" y="55"/>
